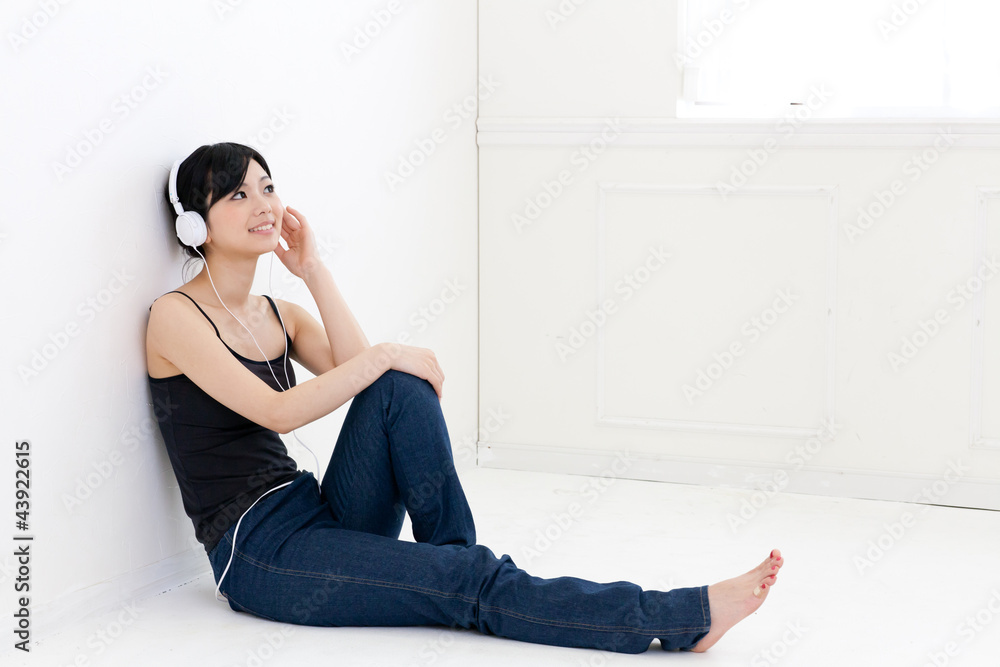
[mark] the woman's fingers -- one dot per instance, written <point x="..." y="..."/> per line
<point x="290" y="223"/>
<point x="298" y="229"/>
<point x="420" y="362"/>
<point x="438" y="376"/>
<point x="300" y="220"/>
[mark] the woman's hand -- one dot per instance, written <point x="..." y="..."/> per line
<point x="302" y="256"/>
<point x="417" y="361"/>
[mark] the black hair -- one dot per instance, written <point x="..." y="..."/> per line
<point x="206" y="176"/>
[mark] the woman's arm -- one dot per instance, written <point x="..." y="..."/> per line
<point x="347" y="340"/>
<point x="311" y="346"/>
<point x="182" y="336"/>
<point x="342" y="329"/>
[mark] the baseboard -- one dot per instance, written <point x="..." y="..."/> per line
<point x="950" y="488"/>
<point x="117" y="593"/>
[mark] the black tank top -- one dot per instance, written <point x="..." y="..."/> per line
<point x="223" y="461"/>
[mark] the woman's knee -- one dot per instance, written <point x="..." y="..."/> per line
<point x="380" y="385"/>
<point x="407" y="382"/>
<point x="394" y="387"/>
<point x="395" y="378"/>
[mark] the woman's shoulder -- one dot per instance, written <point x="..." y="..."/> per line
<point x="172" y="317"/>
<point x="190" y="296"/>
<point x="180" y="292"/>
<point x="172" y="306"/>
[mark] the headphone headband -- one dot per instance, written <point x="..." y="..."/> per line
<point x="172" y="188"/>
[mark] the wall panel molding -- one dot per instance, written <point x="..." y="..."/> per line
<point x="898" y="486"/>
<point x="891" y="133"/>
<point x="980" y="439"/>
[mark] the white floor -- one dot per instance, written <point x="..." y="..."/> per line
<point x="931" y="598"/>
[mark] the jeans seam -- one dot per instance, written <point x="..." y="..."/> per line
<point x="501" y="610"/>
<point x="346" y="510"/>
<point x="355" y="580"/>
<point x="703" y="598"/>
<point x="588" y="626"/>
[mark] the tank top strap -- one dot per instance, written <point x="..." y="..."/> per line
<point x="202" y="312"/>
<point x="274" y="308"/>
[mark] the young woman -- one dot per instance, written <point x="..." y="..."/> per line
<point x="286" y="547"/>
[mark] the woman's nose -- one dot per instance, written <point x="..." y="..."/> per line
<point x="262" y="205"/>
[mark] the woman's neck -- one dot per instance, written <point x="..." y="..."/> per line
<point x="233" y="279"/>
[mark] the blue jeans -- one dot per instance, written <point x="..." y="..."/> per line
<point x="332" y="558"/>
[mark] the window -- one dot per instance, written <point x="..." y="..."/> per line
<point x="874" y="58"/>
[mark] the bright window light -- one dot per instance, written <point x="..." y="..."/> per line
<point x="871" y="58"/>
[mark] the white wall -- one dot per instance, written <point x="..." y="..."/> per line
<point x="584" y="167"/>
<point x="84" y="251"/>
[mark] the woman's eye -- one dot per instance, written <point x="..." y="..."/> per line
<point x="242" y="195"/>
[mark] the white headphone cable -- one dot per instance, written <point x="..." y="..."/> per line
<point x="284" y="364"/>
<point x="233" y="552"/>
<point x="288" y="384"/>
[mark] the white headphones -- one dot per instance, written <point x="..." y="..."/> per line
<point x="190" y="226"/>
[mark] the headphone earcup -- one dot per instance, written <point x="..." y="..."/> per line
<point x="191" y="228"/>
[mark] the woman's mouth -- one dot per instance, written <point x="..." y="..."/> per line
<point x="263" y="228"/>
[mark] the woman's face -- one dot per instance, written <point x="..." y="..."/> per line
<point x="247" y="220"/>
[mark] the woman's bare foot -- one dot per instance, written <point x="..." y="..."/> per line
<point x="732" y="600"/>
